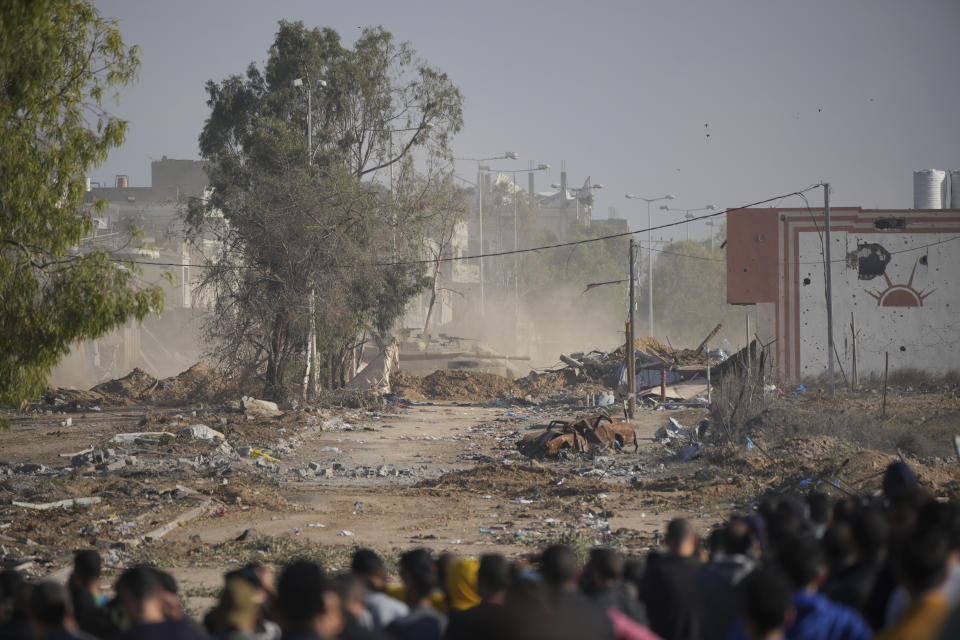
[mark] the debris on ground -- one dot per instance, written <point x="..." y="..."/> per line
<point x="255" y="408"/>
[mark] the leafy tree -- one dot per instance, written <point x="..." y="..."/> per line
<point x="690" y="294"/>
<point x="295" y="222"/>
<point x="59" y="59"/>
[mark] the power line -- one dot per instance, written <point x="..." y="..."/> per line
<point x="496" y="254"/>
<point x="560" y="245"/>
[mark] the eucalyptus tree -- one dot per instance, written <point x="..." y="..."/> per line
<point x="59" y="60"/>
<point x="314" y="189"/>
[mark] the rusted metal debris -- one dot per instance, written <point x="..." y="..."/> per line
<point x="579" y="436"/>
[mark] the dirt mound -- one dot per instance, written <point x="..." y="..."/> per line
<point x="407" y="386"/>
<point x="199" y="383"/>
<point x="536" y="384"/>
<point x="130" y="386"/>
<point x="465" y="386"/>
<point x="516" y="481"/>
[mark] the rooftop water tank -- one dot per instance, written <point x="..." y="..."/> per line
<point x="955" y="189"/>
<point x="929" y="188"/>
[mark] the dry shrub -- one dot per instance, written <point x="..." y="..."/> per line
<point x="737" y="401"/>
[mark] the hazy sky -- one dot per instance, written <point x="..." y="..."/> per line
<point x="791" y="92"/>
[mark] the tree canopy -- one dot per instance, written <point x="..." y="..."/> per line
<point x="292" y="223"/>
<point x="59" y="61"/>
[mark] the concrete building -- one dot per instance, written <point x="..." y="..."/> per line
<point x="895" y="278"/>
<point x="166" y="344"/>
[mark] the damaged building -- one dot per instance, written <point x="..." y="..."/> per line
<point x="895" y="287"/>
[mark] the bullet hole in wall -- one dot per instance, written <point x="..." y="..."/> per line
<point x="923" y="261"/>
<point x="806" y="281"/>
<point x="903" y="348"/>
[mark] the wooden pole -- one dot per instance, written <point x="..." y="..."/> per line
<point x="886" y="366"/>
<point x="829" y="294"/>
<point x="631" y="362"/>
<point x="853" y="374"/>
<point x="749" y="355"/>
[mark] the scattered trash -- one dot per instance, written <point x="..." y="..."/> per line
<point x="689" y="452"/>
<point x="200" y="432"/>
<point x="146" y="438"/>
<point x="750" y="444"/>
<point x="346" y="533"/>
<point x="256" y="453"/>
<point x="316" y="525"/>
<point x="671" y="431"/>
<point x="800" y="389"/>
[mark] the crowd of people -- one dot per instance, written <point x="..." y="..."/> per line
<point x="797" y="567"/>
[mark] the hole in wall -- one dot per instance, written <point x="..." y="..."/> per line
<point x="890" y="224"/>
<point x="870" y="260"/>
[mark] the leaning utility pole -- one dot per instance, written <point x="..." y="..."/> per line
<point x="826" y="268"/>
<point x="631" y="362"/>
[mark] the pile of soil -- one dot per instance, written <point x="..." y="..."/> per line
<point x="199" y="383"/>
<point x="129" y="387"/>
<point x="516" y="481"/>
<point x="407" y="386"/>
<point x="472" y="386"/>
<point x="465" y="386"/>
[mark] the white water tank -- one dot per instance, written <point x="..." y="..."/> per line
<point x="955" y="189"/>
<point x="929" y="189"/>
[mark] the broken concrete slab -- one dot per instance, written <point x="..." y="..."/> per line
<point x="59" y="504"/>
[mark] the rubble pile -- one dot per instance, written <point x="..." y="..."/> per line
<point x="200" y="384"/>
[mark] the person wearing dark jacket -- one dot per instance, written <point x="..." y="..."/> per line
<point x="151" y="605"/>
<point x="606" y="588"/>
<point x="487" y="619"/>
<point x="669" y="585"/>
<point x="577" y="616"/>
<point x="720" y="580"/>
<point x="51" y="613"/>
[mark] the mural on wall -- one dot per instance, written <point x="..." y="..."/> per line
<point x="901" y="295"/>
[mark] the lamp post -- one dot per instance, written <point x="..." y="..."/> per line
<point x="631" y="196"/>
<point x="509" y="155"/>
<point x="688" y="214"/>
<point x="710" y="224"/>
<point x="310" y="380"/>
<point x="299" y="82"/>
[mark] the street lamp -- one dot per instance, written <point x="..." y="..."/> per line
<point x="688" y="215"/>
<point x="320" y="84"/>
<point x="710" y="224"/>
<point x="631" y="196"/>
<point x="509" y="155"/>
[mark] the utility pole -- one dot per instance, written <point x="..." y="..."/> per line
<point x="309" y="124"/>
<point x="650" y="269"/>
<point x="480" y="206"/>
<point x="631" y="362"/>
<point x="829" y="294"/>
